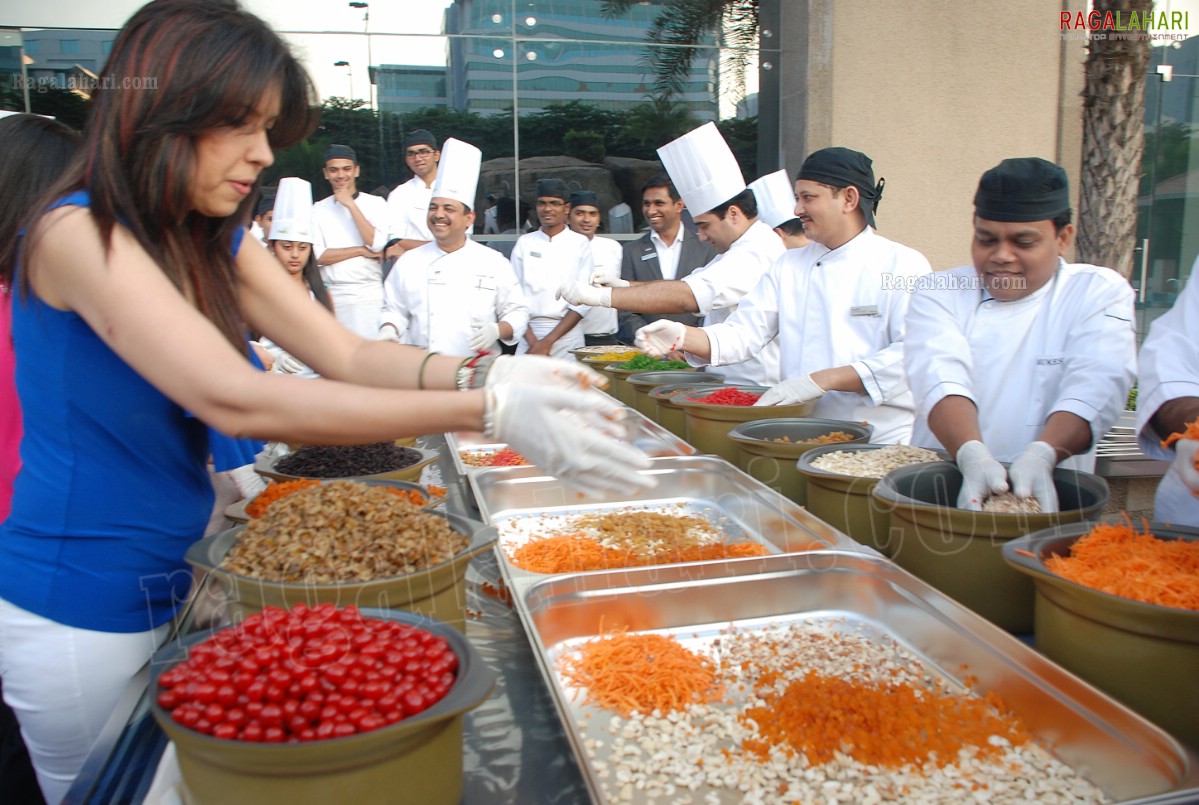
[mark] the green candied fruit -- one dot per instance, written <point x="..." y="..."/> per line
<point x="648" y="364"/>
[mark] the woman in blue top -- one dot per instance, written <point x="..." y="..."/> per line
<point x="132" y="297"/>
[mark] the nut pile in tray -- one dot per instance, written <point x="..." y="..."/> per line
<point x="503" y="457"/>
<point x="628" y="537"/>
<point x="816" y="711"/>
<point x="341" y="532"/>
<point x="873" y="463"/>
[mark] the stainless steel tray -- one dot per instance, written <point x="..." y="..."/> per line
<point x="646" y="435"/>
<point x="1108" y="744"/>
<point x="705" y="485"/>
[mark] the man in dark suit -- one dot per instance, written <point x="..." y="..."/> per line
<point x="669" y="251"/>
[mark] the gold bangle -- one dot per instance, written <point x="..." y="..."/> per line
<point x="420" y="375"/>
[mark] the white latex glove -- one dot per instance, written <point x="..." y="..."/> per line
<point x="1184" y="463"/>
<point x="287" y="365"/>
<point x="571" y="434"/>
<point x="660" y="337"/>
<point x="797" y="390"/>
<point x="483" y="336"/>
<point x="576" y="293"/>
<point x="608" y="281"/>
<point x="388" y="332"/>
<point x="538" y="370"/>
<point x="248" y="482"/>
<point x="982" y="475"/>
<point x="1032" y="475"/>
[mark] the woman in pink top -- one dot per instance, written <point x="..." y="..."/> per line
<point x="37" y="150"/>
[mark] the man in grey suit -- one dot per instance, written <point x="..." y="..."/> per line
<point x="669" y="251"/>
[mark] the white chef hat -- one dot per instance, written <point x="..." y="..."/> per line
<point x="703" y="168"/>
<point x="458" y="172"/>
<point x="293" y="212"/>
<point x="776" y="198"/>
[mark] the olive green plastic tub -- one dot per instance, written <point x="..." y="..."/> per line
<point x="436" y="592"/>
<point x="846" y="502"/>
<point x="643" y="383"/>
<point x="670" y="414"/>
<point x="1145" y="655"/>
<point x="708" y="425"/>
<point x="418" y="759"/>
<point x="960" y="552"/>
<point x="773" y="462"/>
<point x="618" y="376"/>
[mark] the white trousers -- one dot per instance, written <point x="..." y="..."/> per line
<point x="358" y="305"/>
<point x="63" y="683"/>
<point x="561" y="347"/>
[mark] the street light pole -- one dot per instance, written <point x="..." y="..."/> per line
<point x="350" y="73"/>
<point x="372" y="78"/>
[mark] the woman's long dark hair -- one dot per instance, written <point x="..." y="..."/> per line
<point x="180" y="68"/>
<point x="37" y="151"/>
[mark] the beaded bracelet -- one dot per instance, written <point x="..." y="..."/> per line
<point x="420" y="376"/>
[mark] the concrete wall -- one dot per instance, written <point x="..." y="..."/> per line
<point x="935" y="93"/>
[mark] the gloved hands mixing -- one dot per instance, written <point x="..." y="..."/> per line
<point x="660" y="337"/>
<point x="982" y="475"/>
<point x="484" y="335"/>
<point x="535" y="370"/>
<point x="577" y="293"/>
<point x="1032" y="475"/>
<point x="572" y="434"/>
<point x="795" y="391"/>
<point x="1184" y="463"/>
<point x="608" y="280"/>
<point x="287" y="365"/>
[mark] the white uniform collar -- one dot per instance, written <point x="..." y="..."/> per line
<point x="1032" y="297"/>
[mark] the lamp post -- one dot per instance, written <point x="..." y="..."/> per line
<point x="372" y="77"/>
<point x="350" y="73"/>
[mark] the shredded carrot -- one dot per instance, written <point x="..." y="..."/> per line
<point x="1191" y="432"/>
<point x="881" y="725"/>
<point x="1115" y="558"/>
<point x="274" y="491"/>
<point x="641" y="673"/>
<point x="571" y="553"/>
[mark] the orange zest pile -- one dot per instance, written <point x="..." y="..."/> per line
<point x="883" y="725"/>
<point x="1115" y="558"/>
<point x="277" y="490"/>
<point x="641" y="672"/>
<point x="274" y="491"/>
<point x="572" y="553"/>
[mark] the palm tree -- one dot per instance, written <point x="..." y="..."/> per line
<point x="681" y="24"/>
<point x="1113" y="143"/>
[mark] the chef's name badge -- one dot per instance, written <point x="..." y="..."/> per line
<point x="534" y="254"/>
<point x="1050" y="361"/>
<point x="864" y="310"/>
<point x="649" y="256"/>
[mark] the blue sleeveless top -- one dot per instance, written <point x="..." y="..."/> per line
<point x="113" y="486"/>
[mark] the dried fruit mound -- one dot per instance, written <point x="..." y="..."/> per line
<point x="879" y="725"/>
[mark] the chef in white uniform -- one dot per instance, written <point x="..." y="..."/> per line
<point x="836" y="306"/>
<point x="703" y="168"/>
<point x="775" y="195"/>
<point x="1020" y="357"/>
<point x="600" y="323"/>
<point x="408" y="204"/>
<point x="453" y="295"/>
<point x="351" y="229"/>
<point x="544" y="259"/>
<point x="1167" y="399"/>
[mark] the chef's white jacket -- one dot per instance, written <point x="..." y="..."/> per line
<point x="607" y="255"/>
<point x="720" y="286"/>
<point x="824" y="309"/>
<point x="1169" y="369"/>
<point x="543" y="264"/>
<point x="433" y="297"/>
<point x="408" y="208"/>
<point x="355" y="285"/>
<point x="1069" y="346"/>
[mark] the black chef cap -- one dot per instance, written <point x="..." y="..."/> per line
<point x="341" y="152"/>
<point x="1022" y="189"/>
<point x="265" y="205"/>
<point x="552" y="188"/>
<point x="421" y="137"/>
<point x="841" y="167"/>
<point x="584" y="198"/>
